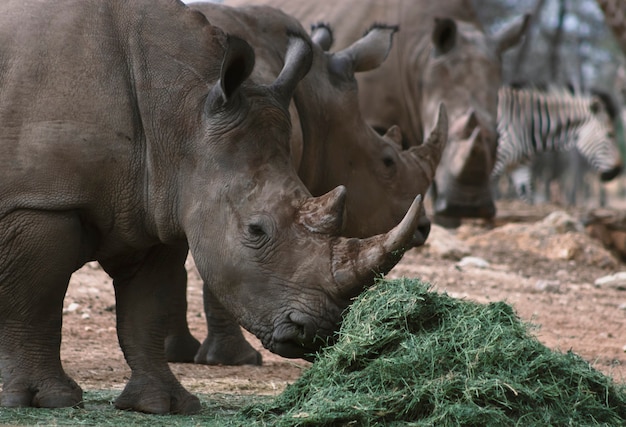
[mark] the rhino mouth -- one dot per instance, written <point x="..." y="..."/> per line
<point x="485" y="210"/>
<point x="298" y="337"/>
<point x="463" y="201"/>
<point x="421" y="232"/>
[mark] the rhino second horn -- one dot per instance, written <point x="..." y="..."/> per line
<point x="471" y="164"/>
<point x="325" y="214"/>
<point x="464" y="126"/>
<point x="394" y="134"/>
<point x="357" y="262"/>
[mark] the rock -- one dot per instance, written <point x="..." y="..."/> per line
<point x="551" y="238"/>
<point x="613" y="281"/>
<point x="472" y="261"/>
<point x="562" y="222"/>
<point x="552" y="286"/>
<point x="445" y="244"/>
<point x="71" y="308"/>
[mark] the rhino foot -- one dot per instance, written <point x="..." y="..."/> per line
<point x="50" y="393"/>
<point x="181" y="348"/>
<point x="231" y="350"/>
<point x="139" y="396"/>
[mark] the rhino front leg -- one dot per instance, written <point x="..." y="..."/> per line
<point x="180" y="345"/>
<point x="142" y="298"/>
<point x="38" y="253"/>
<point x="225" y="343"/>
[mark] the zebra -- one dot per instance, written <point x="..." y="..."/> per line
<point x="532" y="120"/>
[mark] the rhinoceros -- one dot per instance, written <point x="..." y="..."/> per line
<point x="443" y="55"/>
<point x="332" y="145"/>
<point x="130" y="132"/>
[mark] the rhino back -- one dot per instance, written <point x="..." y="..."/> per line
<point x="80" y="104"/>
<point x="350" y="19"/>
<point x="64" y="102"/>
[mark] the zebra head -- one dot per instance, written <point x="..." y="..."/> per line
<point x="597" y="138"/>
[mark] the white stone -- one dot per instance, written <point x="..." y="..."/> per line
<point x="553" y="286"/>
<point x="562" y="222"/>
<point x="472" y="261"/>
<point x="71" y="308"/>
<point x="443" y="243"/>
<point x="614" y="281"/>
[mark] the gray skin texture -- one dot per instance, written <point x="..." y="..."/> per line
<point x="332" y="145"/>
<point x="441" y="54"/>
<point x="130" y="134"/>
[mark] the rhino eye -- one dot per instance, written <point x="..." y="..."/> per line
<point x="256" y="230"/>
<point x="388" y="161"/>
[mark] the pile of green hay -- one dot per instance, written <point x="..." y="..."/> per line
<point x="408" y="354"/>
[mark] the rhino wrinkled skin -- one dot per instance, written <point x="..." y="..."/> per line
<point x="441" y="54"/>
<point x="130" y="133"/>
<point x="331" y="145"/>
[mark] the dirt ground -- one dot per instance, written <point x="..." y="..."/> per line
<point x="545" y="268"/>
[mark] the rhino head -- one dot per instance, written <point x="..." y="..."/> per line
<point x="382" y="176"/>
<point x="464" y="72"/>
<point x="268" y="251"/>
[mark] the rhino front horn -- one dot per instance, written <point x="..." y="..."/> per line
<point x="298" y="61"/>
<point x="428" y="154"/>
<point x="357" y="262"/>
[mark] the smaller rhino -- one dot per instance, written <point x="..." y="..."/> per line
<point x="331" y="145"/>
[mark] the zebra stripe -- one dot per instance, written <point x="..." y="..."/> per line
<point x="531" y="121"/>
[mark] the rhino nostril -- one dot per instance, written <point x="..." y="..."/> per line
<point x="299" y="326"/>
<point x="423" y="227"/>
<point x="424" y="230"/>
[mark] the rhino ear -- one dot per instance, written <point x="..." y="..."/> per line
<point x="237" y="65"/>
<point x="298" y="61"/>
<point x="322" y="35"/>
<point x="511" y="34"/>
<point x="444" y="35"/>
<point x="367" y="53"/>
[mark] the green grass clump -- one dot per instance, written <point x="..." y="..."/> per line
<point x="408" y="354"/>
<point x="218" y="410"/>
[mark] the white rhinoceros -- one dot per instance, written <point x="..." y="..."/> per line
<point x="333" y="146"/>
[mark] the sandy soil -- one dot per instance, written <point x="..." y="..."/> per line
<point x="545" y="271"/>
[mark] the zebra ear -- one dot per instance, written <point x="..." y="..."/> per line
<point x="596" y="105"/>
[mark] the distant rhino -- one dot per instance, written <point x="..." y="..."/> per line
<point x="441" y="55"/>
<point x="129" y="131"/>
<point x="333" y="146"/>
